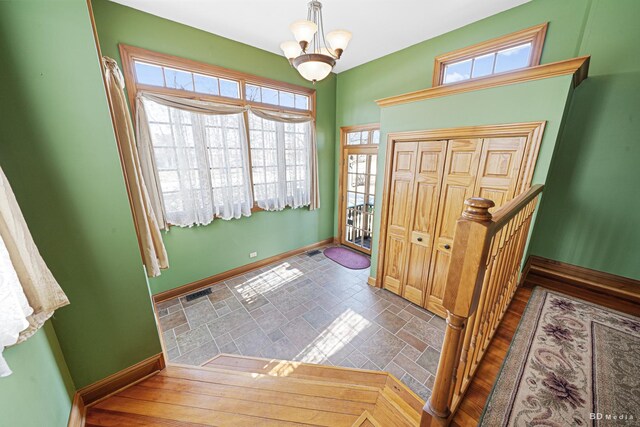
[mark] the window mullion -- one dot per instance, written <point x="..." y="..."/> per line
<point x="202" y="163"/>
<point x="247" y="131"/>
<point x="281" y="158"/>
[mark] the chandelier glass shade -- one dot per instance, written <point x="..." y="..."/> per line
<point x="313" y="54"/>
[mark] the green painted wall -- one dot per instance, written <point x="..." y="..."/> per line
<point x="40" y="390"/>
<point x="59" y="152"/>
<point x="594" y="169"/>
<point x="590" y="215"/>
<point x="198" y="252"/>
<point x="546" y="100"/>
<point x="412" y="68"/>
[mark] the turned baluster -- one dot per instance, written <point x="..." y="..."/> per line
<point x="462" y="291"/>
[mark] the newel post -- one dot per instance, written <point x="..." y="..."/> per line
<point x="462" y="291"/>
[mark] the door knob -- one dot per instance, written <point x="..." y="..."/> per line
<point x="447" y="246"/>
<point x="419" y="239"/>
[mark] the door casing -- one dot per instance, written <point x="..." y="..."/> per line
<point x="532" y="131"/>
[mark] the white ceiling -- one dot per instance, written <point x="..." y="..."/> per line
<point x="379" y="27"/>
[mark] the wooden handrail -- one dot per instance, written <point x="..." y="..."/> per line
<point x="483" y="274"/>
<point x="513" y="206"/>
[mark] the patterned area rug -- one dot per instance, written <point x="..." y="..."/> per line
<point x="571" y="363"/>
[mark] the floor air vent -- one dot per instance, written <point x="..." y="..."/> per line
<point x="198" y="294"/>
<point x="313" y="252"/>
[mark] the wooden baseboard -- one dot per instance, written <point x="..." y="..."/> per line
<point x="211" y="280"/>
<point x="110" y="385"/>
<point x="78" y="412"/>
<point x="585" y="278"/>
<point x="371" y="281"/>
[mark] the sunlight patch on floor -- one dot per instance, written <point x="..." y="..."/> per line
<point x="269" y="281"/>
<point x="334" y="337"/>
<point x="283" y="368"/>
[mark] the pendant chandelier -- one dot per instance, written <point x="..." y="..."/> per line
<point x="312" y="54"/>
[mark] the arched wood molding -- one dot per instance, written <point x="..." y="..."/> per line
<point x="578" y="67"/>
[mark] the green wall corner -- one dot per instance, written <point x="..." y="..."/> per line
<point x="586" y="216"/>
<point x="59" y="153"/>
<point x="545" y="100"/>
<point x="589" y="215"/>
<point x="40" y="390"/>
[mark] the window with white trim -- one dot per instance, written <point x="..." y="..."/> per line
<point x="280" y="163"/>
<point x="202" y="164"/>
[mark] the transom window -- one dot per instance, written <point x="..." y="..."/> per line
<point x="250" y="148"/>
<point x="503" y="60"/>
<point x="172" y="78"/>
<point x="504" y="54"/>
<point x="364" y="137"/>
<point x="267" y="95"/>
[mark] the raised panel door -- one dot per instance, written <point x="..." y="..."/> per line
<point x="500" y="165"/>
<point x="458" y="183"/>
<point x="398" y="221"/>
<point x="426" y="192"/>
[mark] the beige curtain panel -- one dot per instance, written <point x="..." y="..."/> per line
<point x="191" y="105"/>
<point x="29" y="294"/>
<point x="154" y="253"/>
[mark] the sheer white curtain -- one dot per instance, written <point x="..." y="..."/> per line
<point x="29" y="294"/>
<point x="282" y="156"/>
<point x="196" y="156"/>
<point x="14" y="307"/>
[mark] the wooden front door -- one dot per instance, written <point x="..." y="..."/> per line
<point x="359" y="158"/>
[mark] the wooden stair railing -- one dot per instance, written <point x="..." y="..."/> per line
<point x="483" y="275"/>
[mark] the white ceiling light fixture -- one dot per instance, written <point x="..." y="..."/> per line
<point x="312" y="54"/>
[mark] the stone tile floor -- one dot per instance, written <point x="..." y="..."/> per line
<point x="309" y="309"/>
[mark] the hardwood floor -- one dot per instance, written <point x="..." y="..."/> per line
<point x="470" y="410"/>
<point x="615" y="303"/>
<point x="243" y="391"/>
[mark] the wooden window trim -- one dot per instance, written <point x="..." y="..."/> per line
<point x="535" y="35"/>
<point x="344" y="130"/>
<point x="578" y="67"/>
<point x="129" y="54"/>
